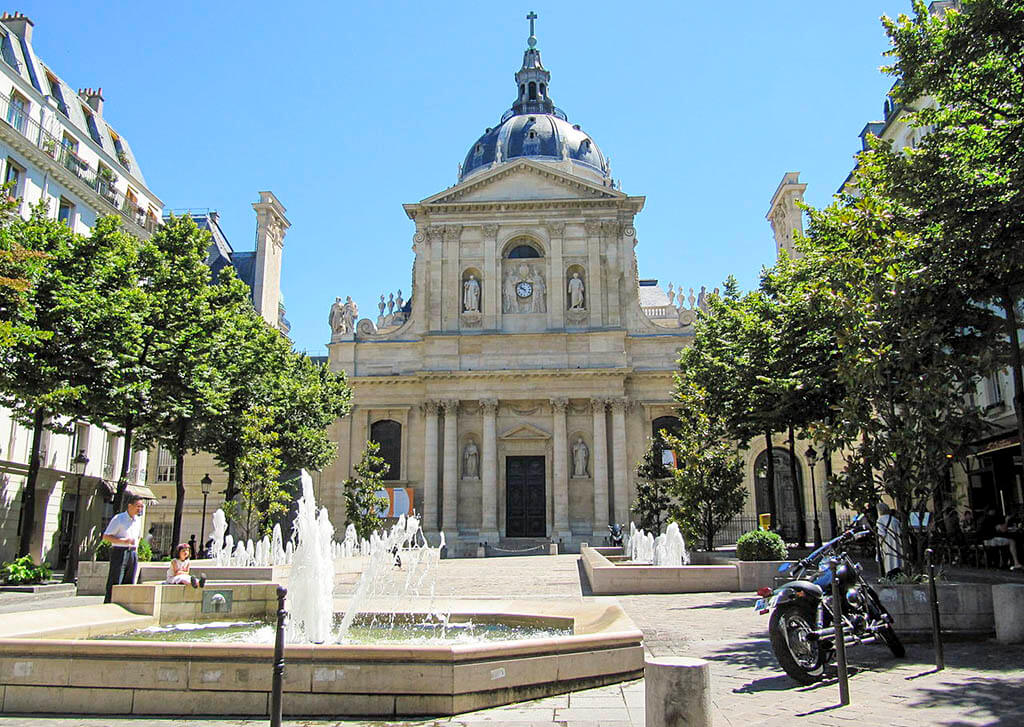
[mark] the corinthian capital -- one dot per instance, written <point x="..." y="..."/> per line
<point x="451" y="406"/>
<point x="429" y="407"/>
<point x="452" y="232"/>
<point x="555" y="229"/>
<point x="610" y="227"/>
<point x="592" y="227"/>
<point x="490" y="231"/>
<point x="598" y="404"/>
<point x="559" y="404"/>
<point x="490" y="406"/>
<point x="620" y="404"/>
<point x="434" y="232"/>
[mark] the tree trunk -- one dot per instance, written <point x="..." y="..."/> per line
<point x="126" y="462"/>
<point x="28" y="497"/>
<point x="179" y="482"/>
<point x="833" y="520"/>
<point x="231" y="491"/>
<point x="798" y="492"/>
<point x="770" y="464"/>
<point x="1015" y="366"/>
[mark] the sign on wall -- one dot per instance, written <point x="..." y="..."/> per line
<point x="399" y="501"/>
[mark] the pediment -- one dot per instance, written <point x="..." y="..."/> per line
<point x="525" y="431"/>
<point x="523" y="180"/>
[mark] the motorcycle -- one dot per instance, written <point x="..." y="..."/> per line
<point x="615" y="535"/>
<point x="802" y="625"/>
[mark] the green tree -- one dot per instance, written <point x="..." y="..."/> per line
<point x="652" y="499"/>
<point x="708" y="484"/>
<point x="958" y="74"/>
<point x="85" y="291"/>
<point x="262" y="498"/>
<point x="361" y="498"/>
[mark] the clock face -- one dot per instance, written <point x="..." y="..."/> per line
<point x="524" y="289"/>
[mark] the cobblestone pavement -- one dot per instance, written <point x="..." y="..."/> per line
<point x="983" y="683"/>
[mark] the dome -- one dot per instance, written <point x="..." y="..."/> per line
<point x="545" y="137"/>
<point x="535" y="129"/>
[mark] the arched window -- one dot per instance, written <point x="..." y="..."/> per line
<point x="522" y="90"/>
<point x="543" y="90"/>
<point x="533" y="91"/>
<point x="671" y="425"/>
<point x="388" y="434"/>
<point x="523" y="251"/>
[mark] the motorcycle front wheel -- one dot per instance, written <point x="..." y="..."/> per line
<point x="801" y="658"/>
<point x="887" y="634"/>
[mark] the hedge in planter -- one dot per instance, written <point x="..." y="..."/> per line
<point x="145" y="551"/>
<point x="24" y="572"/>
<point x="761" y="545"/>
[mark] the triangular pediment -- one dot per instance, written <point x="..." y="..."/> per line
<point x="525" y="431"/>
<point x="523" y="180"/>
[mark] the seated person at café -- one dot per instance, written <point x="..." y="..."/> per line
<point x="992" y="530"/>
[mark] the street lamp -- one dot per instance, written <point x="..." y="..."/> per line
<point x="79" y="464"/>
<point x="206" y="483"/>
<point x="812" y="457"/>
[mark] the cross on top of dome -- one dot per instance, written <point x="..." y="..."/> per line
<point x="532" y="40"/>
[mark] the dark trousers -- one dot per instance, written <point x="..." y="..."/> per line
<point x="123" y="563"/>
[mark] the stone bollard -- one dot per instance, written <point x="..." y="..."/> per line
<point x="677" y="692"/>
<point x="1008" y="608"/>
<point x="552" y="548"/>
<point x="481" y="551"/>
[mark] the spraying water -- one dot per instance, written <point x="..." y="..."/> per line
<point x="311" y="586"/>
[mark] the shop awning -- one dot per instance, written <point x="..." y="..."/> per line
<point x="999" y="444"/>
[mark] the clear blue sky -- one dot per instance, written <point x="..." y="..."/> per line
<point x="346" y="111"/>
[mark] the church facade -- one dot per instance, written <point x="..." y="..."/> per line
<point x="516" y="389"/>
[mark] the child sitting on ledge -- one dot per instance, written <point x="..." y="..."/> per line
<point x="178" y="572"/>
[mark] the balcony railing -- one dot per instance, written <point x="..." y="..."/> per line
<point x="28" y="127"/>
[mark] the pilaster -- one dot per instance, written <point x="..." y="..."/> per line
<point x="429" y="410"/>
<point x="489" y="460"/>
<point x="450" y="477"/>
<point x="600" y="470"/>
<point x="619" y="461"/>
<point x="560" y="471"/>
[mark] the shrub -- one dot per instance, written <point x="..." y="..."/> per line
<point x="24" y="571"/>
<point x="761" y="545"/>
<point x="145" y="551"/>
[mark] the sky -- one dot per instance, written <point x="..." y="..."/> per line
<point x="347" y="111"/>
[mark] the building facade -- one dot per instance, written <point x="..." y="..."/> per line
<point x="57" y="146"/>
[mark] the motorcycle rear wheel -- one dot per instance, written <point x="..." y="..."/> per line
<point x="801" y="658"/>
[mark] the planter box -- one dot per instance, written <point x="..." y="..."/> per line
<point x="965" y="609"/>
<point x="754" y="574"/>
<point x="607" y="578"/>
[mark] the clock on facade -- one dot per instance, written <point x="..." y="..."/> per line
<point x="524" y="289"/>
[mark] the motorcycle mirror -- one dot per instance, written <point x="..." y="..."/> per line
<point x="784" y="567"/>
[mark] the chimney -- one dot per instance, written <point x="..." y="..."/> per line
<point x="94" y="98"/>
<point x="19" y="24"/>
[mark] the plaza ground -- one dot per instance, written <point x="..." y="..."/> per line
<point x="983" y="683"/>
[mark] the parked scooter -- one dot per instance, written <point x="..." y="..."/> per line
<point x="802" y="626"/>
<point x="615" y="535"/>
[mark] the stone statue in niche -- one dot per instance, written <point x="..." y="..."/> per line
<point x="576" y="300"/>
<point x="508" y="292"/>
<point x="471" y="461"/>
<point x="580" y="454"/>
<point x="471" y="295"/>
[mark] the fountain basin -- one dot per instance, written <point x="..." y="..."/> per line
<point x="609" y="574"/>
<point x="43" y="674"/>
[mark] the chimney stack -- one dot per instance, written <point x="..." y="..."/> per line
<point x="19" y="24"/>
<point x="94" y="98"/>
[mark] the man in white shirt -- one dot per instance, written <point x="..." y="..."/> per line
<point x="123" y="533"/>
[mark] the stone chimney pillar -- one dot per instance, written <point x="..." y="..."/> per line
<point x="271" y="225"/>
<point x="94" y="99"/>
<point x="19" y="24"/>
<point x="785" y="217"/>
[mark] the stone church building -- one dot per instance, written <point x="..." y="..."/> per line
<point x="515" y="391"/>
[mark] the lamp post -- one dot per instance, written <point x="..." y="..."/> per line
<point x="206" y="483"/>
<point x="79" y="464"/>
<point x="812" y="458"/>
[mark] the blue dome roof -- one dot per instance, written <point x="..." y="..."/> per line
<point x="536" y="136"/>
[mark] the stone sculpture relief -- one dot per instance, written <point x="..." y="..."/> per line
<point x="576" y="290"/>
<point x="580" y="455"/>
<point x="524" y="290"/>
<point x="471" y="461"/>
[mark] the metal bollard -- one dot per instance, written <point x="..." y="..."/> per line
<point x="940" y="659"/>
<point x="840" y="637"/>
<point x="278" y="683"/>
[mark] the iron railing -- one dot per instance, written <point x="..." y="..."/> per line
<point x="103" y="185"/>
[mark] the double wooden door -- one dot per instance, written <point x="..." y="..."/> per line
<point x="525" y="501"/>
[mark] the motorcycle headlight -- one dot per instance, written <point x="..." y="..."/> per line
<point x="854" y="597"/>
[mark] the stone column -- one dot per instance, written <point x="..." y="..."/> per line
<point x="491" y="300"/>
<point x="595" y="296"/>
<point x="619" y="461"/>
<point x="489" y="482"/>
<point x="556" y="276"/>
<point x="600" y="471"/>
<point x="429" y="410"/>
<point x="560" y="472"/>
<point x="450" y="481"/>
